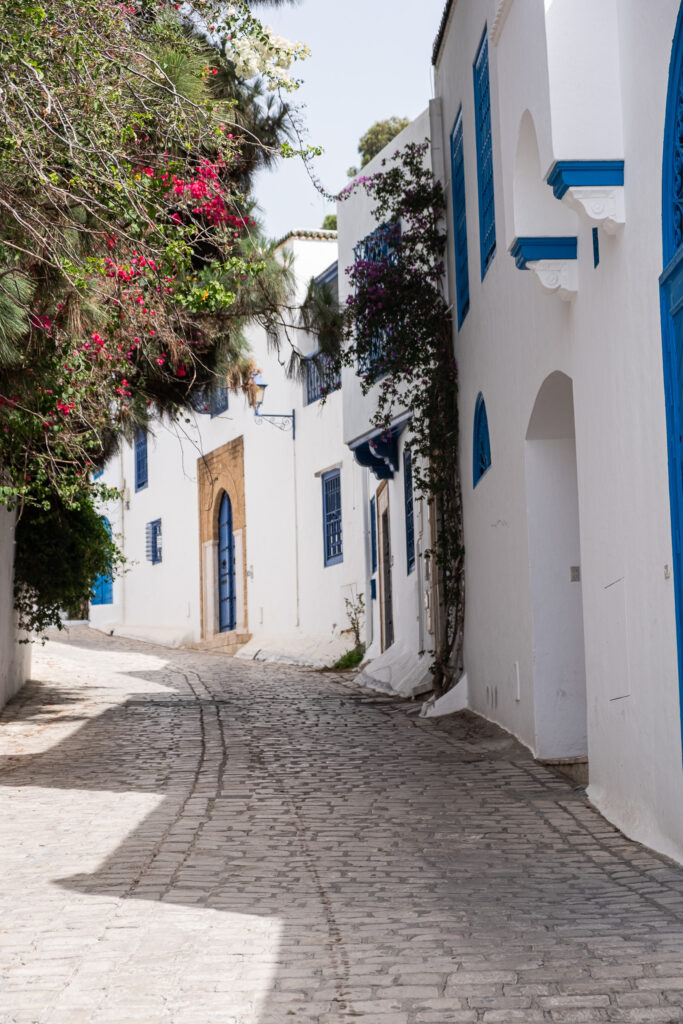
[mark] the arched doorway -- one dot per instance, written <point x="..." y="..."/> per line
<point x="671" y="284"/>
<point x="558" y="655"/>
<point x="226" y="567"/>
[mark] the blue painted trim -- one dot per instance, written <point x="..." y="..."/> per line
<point x="373" y="536"/>
<point x="332" y="517"/>
<point x="329" y="275"/>
<point x="380" y="452"/>
<point x="409" y="511"/>
<point x="596" y="248"/>
<point x="484" y="140"/>
<point x="671" y="305"/>
<point x="528" y="250"/>
<point x="566" y="173"/>
<point x="462" y="278"/>
<point x="141" y="465"/>
<point x="481" y="441"/>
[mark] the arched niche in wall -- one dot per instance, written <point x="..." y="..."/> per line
<point x="559" y="673"/>
<point x="537" y="213"/>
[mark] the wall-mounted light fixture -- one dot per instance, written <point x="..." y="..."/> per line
<point x="280" y="420"/>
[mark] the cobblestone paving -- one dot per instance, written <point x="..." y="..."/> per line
<point x="188" y="839"/>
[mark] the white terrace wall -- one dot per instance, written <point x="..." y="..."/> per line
<point x="563" y="86"/>
<point x="402" y="667"/>
<point x="15" y="658"/>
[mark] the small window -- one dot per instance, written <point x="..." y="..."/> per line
<point x="481" y="458"/>
<point x="332" y="517"/>
<point x="373" y="534"/>
<point x="103" y="588"/>
<point x="153" y="541"/>
<point x="321" y="378"/>
<point x="380" y="246"/>
<point x="140" y="459"/>
<point x="218" y="399"/>
<point x="482" y="122"/>
<point x="408" y="495"/>
<point x="462" y="279"/>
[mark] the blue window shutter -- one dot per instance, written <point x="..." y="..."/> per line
<point x="462" y="280"/>
<point x="481" y="454"/>
<point x="140" y="459"/>
<point x="410" y="519"/>
<point x="373" y="534"/>
<point x="320" y="377"/>
<point x="332" y="517"/>
<point x="381" y="246"/>
<point x="482" y="121"/>
<point x="153" y="550"/>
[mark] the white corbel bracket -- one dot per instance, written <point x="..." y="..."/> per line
<point x="552" y="260"/>
<point x="600" y="206"/>
<point x="557" y="276"/>
<point x="593" y="188"/>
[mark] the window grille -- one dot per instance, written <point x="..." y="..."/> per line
<point x="380" y="246"/>
<point x="410" y="521"/>
<point x="140" y="459"/>
<point x="482" y="120"/>
<point x="153" y="549"/>
<point x="103" y="588"/>
<point x="373" y="534"/>
<point x="481" y="457"/>
<point x="321" y="378"/>
<point x="332" y="517"/>
<point x="218" y="399"/>
<point x="462" y="280"/>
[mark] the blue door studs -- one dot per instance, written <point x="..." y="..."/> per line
<point x="226" y="567"/>
<point x="671" y="291"/>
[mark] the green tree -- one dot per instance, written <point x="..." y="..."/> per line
<point x="378" y="136"/>
<point x="129" y="258"/>
<point x="330" y="222"/>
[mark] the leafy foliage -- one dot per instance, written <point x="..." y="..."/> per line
<point x="397" y="334"/>
<point x="378" y="136"/>
<point x="129" y="258"/>
<point x="330" y="222"/>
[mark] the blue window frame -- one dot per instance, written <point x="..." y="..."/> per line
<point x="481" y="455"/>
<point x="321" y="378"/>
<point x="462" y="278"/>
<point x="103" y="587"/>
<point x="153" y="549"/>
<point x="410" y="520"/>
<point x="380" y="245"/>
<point x="332" y="517"/>
<point x="373" y="535"/>
<point x="482" y="121"/>
<point x="218" y="399"/>
<point x="140" y="459"/>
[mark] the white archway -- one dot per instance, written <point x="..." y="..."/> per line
<point x="558" y="655"/>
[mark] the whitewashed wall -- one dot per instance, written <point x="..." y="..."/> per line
<point x="564" y="86"/>
<point x="15" y="658"/>
<point x="295" y="604"/>
<point x="402" y="668"/>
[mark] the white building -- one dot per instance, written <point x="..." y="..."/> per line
<point x="561" y="134"/>
<point x="400" y="623"/>
<point x="15" y="657"/>
<point x="240" y="535"/>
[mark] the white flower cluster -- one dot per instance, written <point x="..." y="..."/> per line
<point x="266" y="54"/>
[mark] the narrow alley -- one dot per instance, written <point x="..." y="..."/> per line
<point x="190" y="839"/>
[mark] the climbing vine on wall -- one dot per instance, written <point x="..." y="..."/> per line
<point x="397" y="335"/>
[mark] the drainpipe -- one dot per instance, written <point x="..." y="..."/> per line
<point x="296" y="526"/>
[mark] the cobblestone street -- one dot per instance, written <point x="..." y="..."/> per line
<point x="190" y="839"/>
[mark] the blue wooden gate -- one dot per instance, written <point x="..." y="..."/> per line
<point x="671" y="284"/>
<point x="226" y="566"/>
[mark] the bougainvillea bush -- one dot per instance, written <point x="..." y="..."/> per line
<point x="129" y="260"/>
<point x="396" y="333"/>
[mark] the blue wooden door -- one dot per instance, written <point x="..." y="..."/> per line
<point x="671" y="282"/>
<point x="226" y="567"/>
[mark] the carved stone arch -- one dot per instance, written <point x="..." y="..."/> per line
<point x="222" y="472"/>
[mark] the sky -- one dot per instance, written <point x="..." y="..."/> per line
<point x="371" y="59"/>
